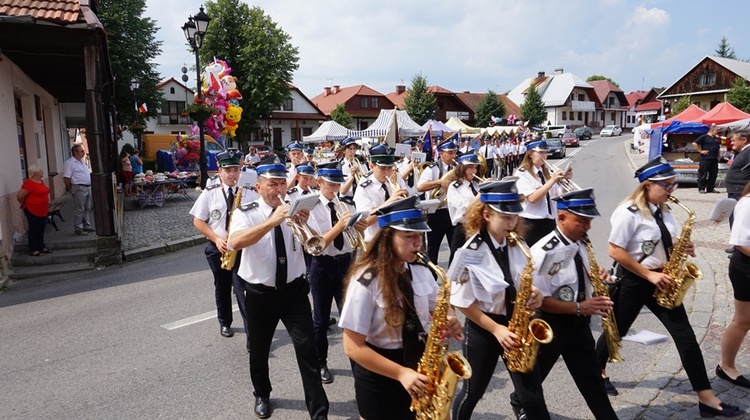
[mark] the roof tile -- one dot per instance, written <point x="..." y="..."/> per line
<point x="61" y="11"/>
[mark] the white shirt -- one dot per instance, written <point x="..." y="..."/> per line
<point x="486" y="284"/>
<point x="252" y="159"/>
<point x="370" y="195"/>
<point x="211" y="207"/>
<point x="346" y="168"/>
<point x="320" y="221"/>
<point x="640" y="236"/>
<point x="257" y="263"/>
<point x="459" y="197"/>
<point x="364" y="308"/>
<point x="565" y="280"/>
<point x="432" y="174"/>
<point x="488" y="151"/>
<point x="77" y="171"/>
<point x="526" y="185"/>
<point x="403" y="167"/>
<point x="740" y="235"/>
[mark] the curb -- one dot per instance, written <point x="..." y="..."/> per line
<point x="164" y="248"/>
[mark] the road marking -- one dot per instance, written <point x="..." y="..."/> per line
<point x="194" y="319"/>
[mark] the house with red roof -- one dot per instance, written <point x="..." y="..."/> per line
<point x="644" y="107"/>
<point x="707" y="83"/>
<point x="614" y="103"/>
<point x="362" y="102"/>
<point x="472" y="101"/>
<point x="448" y="103"/>
<point x="290" y="122"/>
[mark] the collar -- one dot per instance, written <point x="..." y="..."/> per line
<point x="560" y="233"/>
<point x="653" y="207"/>
<point x="495" y="243"/>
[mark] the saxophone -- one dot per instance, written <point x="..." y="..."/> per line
<point x="229" y="258"/>
<point x="530" y="332"/>
<point x="442" y="367"/>
<point x="609" y="326"/>
<point x="683" y="273"/>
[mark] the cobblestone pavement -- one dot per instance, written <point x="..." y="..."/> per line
<point x="157" y="226"/>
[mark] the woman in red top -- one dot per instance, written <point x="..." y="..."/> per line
<point x="34" y="199"/>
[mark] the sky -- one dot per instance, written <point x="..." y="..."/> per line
<point x="477" y="45"/>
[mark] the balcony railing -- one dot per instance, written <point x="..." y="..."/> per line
<point x="174" y="119"/>
<point x="583" y="105"/>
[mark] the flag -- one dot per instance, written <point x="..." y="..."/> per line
<point x="391" y="135"/>
<point x="427" y="139"/>
<point x="143" y="108"/>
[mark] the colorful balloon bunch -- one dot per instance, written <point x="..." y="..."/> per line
<point x="219" y="90"/>
<point x="187" y="153"/>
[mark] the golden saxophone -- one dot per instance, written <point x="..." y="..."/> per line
<point x="683" y="273"/>
<point x="609" y="326"/>
<point x="229" y="258"/>
<point x="530" y="332"/>
<point x="442" y="367"/>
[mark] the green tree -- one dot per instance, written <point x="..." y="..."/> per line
<point x="342" y="116"/>
<point x="260" y="54"/>
<point x="490" y="105"/>
<point x="532" y="109"/>
<point x="724" y="49"/>
<point x="595" y="77"/>
<point x="682" y="104"/>
<point x="418" y="102"/>
<point x="739" y="94"/>
<point x="132" y="50"/>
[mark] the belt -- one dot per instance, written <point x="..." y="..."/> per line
<point x="83" y="185"/>
<point x="334" y="257"/>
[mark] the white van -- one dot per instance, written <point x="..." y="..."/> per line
<point x="558" y="130"/>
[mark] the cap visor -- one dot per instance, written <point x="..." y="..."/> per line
<point x="507" y="208"/>
<point x="272" y="174"/>
<point x="334" y="179"/>
<point x="666" y="175"/>
<point x="415" y="226"/>
<point x="586" y="212"/>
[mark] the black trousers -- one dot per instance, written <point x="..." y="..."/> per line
<point x="379" y="397"/>
<point x="490" y="168"/>
<point x="482" y="351"/>
<point x="326" y="285"/>
<point x="708" y="169"/>
<point x="537" y="229"/>
<point x="223" y="280"/>
<point x="574" y="342"/>
<point x="457" y="240"/>
<point x="266" y="306"/>
<point x="635" y="292"/>
<point x="440" y="223"/>
<point x="239" y="290"/>
<point x="736" y="196"/>
<point x="36" y="231"/>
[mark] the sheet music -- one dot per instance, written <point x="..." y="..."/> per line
<point x="557" y="259"/>
<point x="722" y="210"/>
<point x="461" y="259"/>
<point x="402" y="149"/>
<point x="304" y="202"/>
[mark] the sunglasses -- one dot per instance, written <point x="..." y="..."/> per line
<point x="667" y="186"/>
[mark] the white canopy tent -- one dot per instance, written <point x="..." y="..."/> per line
<point x="456" y="124"/>
<point x="500" y="130"/>
<point x="739" y="125"/>
<point x="406" y="126"/>
<point x="328" y="131"/>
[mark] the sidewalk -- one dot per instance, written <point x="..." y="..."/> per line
<point x="665" y="392"/>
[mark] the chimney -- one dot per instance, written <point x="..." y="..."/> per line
<point x="336" y="89"/>
<point x="540" y="74"/>
<point x="326" y="91"/>
<point x="559" y="70"/>
<point x="400" y="89"/>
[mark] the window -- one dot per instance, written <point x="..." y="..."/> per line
<point x="614" y="116"/>
<point x="707" y="79"/>
<point x="565" y="115"/>
<point x="289" y="105"/>
<point x="581" y="97"/>
<point x="171" y="90"/>
<point x="363" y="103"/>
<point x="171" y="112"/>
<point x="306" y="131"/>
<point x="580" y="116"/>
<point x="374" y="102"/>
<point x="611" y="101"/>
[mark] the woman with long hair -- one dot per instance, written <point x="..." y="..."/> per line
<point x="487" y="299"/>
<point x="461" y="193"/>
<point x="739" y="275"/>
<point x="386" y="315"/>
<point x="641" y="241"/>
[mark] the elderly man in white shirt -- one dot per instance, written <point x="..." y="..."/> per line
<point x="77" y="179"/>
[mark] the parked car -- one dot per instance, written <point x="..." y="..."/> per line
<point x="611" y="130"/>
<point x="570" y="139"/>
<point x="584" y="133"/>
<point x="263" y="151"/>
<point x="557" y="130"/>
<point x="556" y="148"/>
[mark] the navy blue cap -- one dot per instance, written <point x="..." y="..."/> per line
<point x="271" y="167"/>
<point x="308" y="151"/>
<point x="410" y="142"/>
<point x="331" y="172"/>
<point x="347" y="141"/>
<point x="656" y="169"/>
<point x="469" y="159"/>
<point x="501" y="196"/>
<point x="579" y="202"/>
<point x="448" y="145"/>
<point x="403" y="214"/>
<point x="294" y="146"/>
<point x="538" y="146"/>
<point x="382" y="155"/>
<point x="305" y="168"/>
<point x="229" y="157"/>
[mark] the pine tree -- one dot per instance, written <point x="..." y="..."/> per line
<point x="739" y="94"/>
<point x="342" y="116"/>
<point x="532" y="109"/>
<point x="418" y="102"/>
<point x="490" y="105"/>
<point x="724" y="49"/>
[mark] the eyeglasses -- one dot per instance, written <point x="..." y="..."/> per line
<point x="667" y="186"/>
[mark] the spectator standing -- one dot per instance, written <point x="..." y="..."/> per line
<point x="34" y="199"/>
<point x="77" y="179"/>
<point x="127" y="172"/>
<point x="708" y="146"/>
<point x="136" y="162"/>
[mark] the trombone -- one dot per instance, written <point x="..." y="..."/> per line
<point x="311" y="243"/>
<point x="354" y="236"/>
<point x="566" y="184"/>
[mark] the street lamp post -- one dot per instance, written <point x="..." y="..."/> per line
<point x="134" y="84"/>
<point x="194" y="30"/>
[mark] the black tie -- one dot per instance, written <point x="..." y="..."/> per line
<point x="412" y="332"/>
<point x="473" y="190"/>
<point x="230" y="202"/>
<point x="305" y="192"/>
<point x="338" y="241"/>
<point x="541" y="178"/>
<point x="278" y="237"/>
<point x="666" y="237"/>
<point x="510" y="292"/>
<point x="581" y="277"/>
<point x="385" y="189"/>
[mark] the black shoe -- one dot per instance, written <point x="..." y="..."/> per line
<point x="520" y="413"/>
<point x="262" y="407"/>
<point x="729" y="250"/>
<point x="325" y="375"/>
<point x="80" y="232"/>
<point x="331" y="321"/>
<point x="740" y="381"/>
<point x="611" y="390"/>
<point x="727" y="410"/>
<point x="227" y="332"/>
<point x="715" y="192"/>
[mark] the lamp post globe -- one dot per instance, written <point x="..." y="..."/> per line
<point x="194" y="30"/>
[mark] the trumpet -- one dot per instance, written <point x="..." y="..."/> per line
<point x="311" y="243"/>
<point x="354" y="236"/>
<point x="360" y="172"/>
<point x="566" y="184"/>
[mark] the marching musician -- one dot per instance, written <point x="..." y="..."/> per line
<point x="431" y="178"/>
<point x="643" y="233"/>
<point x="350" y="167"/>
<point x="378" y="189"/>
<point x="305" y="179"/>
<point x="277" y="291"/>
<point x="327" y="270"/>
<point x="211" y="217"/>
<point x="386" y="315"/>
<point x="490" y="152"/>
<point x="539" y="186"/>
<point x="309" y="154"/>
<point x="461" y="194"/>
<point x="296" y="156"/>
<point x="568" y="302"/>
<point x="487" y="300"/>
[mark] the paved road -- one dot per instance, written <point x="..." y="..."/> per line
<point x="140" y="341"/>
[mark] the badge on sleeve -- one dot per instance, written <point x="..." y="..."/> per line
<point x="565" y="294"/>
<point x="215" y="214"/>
<point x="648" y="247"/>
